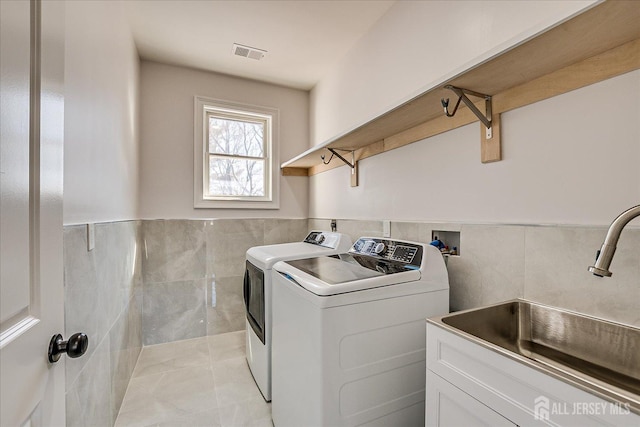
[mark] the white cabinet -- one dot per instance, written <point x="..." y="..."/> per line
<point x="470" y="385"/>
<point x="448" y="406"/>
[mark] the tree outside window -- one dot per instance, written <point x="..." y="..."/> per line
<point x="236" y="157"/>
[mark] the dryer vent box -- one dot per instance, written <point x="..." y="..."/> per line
<point x="248" y="51"/>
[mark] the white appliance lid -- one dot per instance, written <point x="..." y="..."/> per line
<point x="334" y="271"/>
<point x="326" y="276"/>
<point x="317" y="243"/>
<point x="265" y="256"/>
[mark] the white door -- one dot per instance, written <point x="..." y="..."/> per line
<point x="31" y="127"/>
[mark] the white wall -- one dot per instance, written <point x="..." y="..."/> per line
<point x="415" y="46"/>
<point x="101" y="108"/>
<point x="572" y="159"/>
<point x="166" y="172"/>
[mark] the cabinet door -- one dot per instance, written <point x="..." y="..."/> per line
<point x="448" y="406"/>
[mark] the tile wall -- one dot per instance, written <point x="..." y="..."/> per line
<point x="102" y="299"/>
<point x="547" y="264"/>
<point x="149" y="282"/>
<point x="193" y="272"/>
<point x="155" y="281"/>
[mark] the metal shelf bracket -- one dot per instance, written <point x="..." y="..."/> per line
<point x="462" y="96"/>
<point x="353" y="164"/>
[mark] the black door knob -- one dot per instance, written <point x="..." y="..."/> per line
<point x="76" y="346"/>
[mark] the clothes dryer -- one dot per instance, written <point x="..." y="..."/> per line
<point x="257" y="294"/>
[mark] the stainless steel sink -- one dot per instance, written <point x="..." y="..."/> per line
<point x="598" y="356"/>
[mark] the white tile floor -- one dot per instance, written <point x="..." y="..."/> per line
<point x="198" y="382"/>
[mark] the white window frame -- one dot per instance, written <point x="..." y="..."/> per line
<point x="204" y="106"/>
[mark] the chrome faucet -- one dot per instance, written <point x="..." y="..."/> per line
<point x="605" y="254"/>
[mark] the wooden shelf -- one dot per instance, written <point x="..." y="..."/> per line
<point x="598" y="44"/>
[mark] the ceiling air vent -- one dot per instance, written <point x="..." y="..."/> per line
<point x="248" y="51"/>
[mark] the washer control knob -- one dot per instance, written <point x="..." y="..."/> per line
<point x="379" y="248"/>
<point x="320" y="238"/>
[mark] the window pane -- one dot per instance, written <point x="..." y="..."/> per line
<point x="236" y="137"/>
<point x="236" y="177"/>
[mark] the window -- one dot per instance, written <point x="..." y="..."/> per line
<point x="237" y="163"/>
<point x="234" y="155"/>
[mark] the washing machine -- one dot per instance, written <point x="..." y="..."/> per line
<point x="257" y="294"/>
<point x="349" y="334"/>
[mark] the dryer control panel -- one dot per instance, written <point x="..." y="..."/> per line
<point x="325" y="238"/>
<point x="390" y="250"/>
